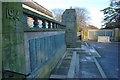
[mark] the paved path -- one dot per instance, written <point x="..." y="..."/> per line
<point x="92" y="60"/>
<point x="82" y="64"/>
<point x="109" y="57"/>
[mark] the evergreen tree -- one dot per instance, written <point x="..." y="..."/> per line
<point x="112" y="15"/>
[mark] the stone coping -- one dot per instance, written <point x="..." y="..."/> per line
<point x="41" y="30"/>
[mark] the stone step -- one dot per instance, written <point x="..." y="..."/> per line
<point x="58" y="76"/>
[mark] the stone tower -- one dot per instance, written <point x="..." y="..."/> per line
<point x="69" y="19"/>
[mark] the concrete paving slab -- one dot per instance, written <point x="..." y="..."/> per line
<point x="100" y="69"/>
<point x="88" y="68"/>
<point x="71" y="71"/>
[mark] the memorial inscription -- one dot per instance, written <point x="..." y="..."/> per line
<point x="12" y="14"/>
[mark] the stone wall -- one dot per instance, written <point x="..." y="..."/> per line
<point x="30" y="52"/>
<point x="43" y="49"/>
<point x="69" y="19"/>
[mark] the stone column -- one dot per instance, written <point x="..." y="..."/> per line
<point x="13" y="55"/>
<point x="69" y="19"/>
<point x="49" y="25"/>
<point x="36" y="23"/>
<point x="53" y="25"/>
<point x="56" y="26"/>
<point x="43" y="24"/>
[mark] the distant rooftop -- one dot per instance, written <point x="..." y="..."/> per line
<point x="35" y="7"/>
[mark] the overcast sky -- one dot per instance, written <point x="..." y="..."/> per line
<point x="93" y="6"/>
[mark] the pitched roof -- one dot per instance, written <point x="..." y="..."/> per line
<point x="38" y="7"/>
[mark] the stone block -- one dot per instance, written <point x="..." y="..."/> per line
<point x="0" y="56"/>
<point x="0" y="18"/>
<point x="42" y="50"/>
<point x="14" y="59"/>
<point x="38" y="53"/>
<point x="32" y="54"/>
<point x="19" y="37"/>
<point x="13" y="38"/>
<point x="0" y="26"/>
<point x="6" y="55"/>
<point x="12" y="17"/>
<point x="0" y="40"/>
<point x="6" y="40"/>
<point x="21" y="58"/>
<point x="8" y="24"/>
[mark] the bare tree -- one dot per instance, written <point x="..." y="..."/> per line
<point x="82" y="17"/>
<point x="57" y="12"/>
